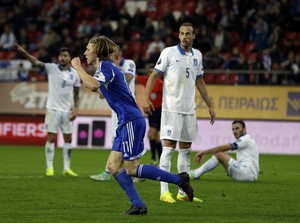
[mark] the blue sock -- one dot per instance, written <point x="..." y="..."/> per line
<point x="154" y="173"/>
<point x="127" y="185"/>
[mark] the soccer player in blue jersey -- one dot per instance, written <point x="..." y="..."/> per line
<point x="128" y="145"/>
<point x="128" y="67"/>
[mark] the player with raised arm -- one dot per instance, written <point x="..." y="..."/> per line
<point x="128" y="67"/>
<point x="128" y="144"/>
<point x="62" y="104"/>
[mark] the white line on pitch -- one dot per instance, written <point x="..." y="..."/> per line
<point x="17" y="177"/>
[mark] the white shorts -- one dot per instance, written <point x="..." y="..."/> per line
<point x="114" y="124"/>
<point x="178" y="127"/>
<point x="58" y="119"/>
<point x="240" y="171"/>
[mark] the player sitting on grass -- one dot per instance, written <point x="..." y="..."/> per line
<point x="245" y="168"/>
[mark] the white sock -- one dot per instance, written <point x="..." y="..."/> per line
<point x="106" y="167"/>
<point x="165" y="164"/>
<point x="67" y="149"/>
<point x="209" y="165"/>
<point x="183" y="162"/>
<point x="49" y="152"/>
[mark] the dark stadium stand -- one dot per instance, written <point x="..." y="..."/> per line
<point x="118" y="20"/>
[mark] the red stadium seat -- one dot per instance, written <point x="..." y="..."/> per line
<point x="235" y="37"/>
<point x="249" y="47"/>
<point x="233" y="78"/>
<point x="133" y="47"/>
<point x="35" y="53"/>
<point x="2" y="54"/>
<point x="47" y="4"/>
<point x="177" y="5"/>
<point x="190" y="6"/>
<point x="85" y="13"/>
<point x="34" y="36"/>
<point x="291" y="35"/>
<point x="144" y="48"/>
<point x="33" y="75"/>
<point x="210" y="78"/>
<point x="222" y="79"/>
<point x="10" y="54"/>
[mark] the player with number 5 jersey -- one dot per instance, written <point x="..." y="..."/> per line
<point x="182" y="69"/>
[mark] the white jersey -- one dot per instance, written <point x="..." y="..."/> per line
<point x="246" y="152"/>
<point x="128" y="67"/>
<point x="180" y="71"/>
<point x="60" y="87"/>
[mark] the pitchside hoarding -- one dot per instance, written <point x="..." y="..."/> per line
<point x="275" y="109"/>
<point x="253" y="102"/>
<point x="22" y="130"/>
<point x="30" y="98"/>
<point x="271" y="137"/>
<point x="231" y="102"/>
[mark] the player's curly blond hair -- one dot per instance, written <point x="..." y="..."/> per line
<point x="103" y="47"/>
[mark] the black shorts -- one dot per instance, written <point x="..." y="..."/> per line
<point x="154" y="119"/>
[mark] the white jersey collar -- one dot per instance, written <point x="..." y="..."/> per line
<point x="182" y="51"/>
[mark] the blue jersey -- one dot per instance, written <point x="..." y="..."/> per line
<point x="116" y="92"/>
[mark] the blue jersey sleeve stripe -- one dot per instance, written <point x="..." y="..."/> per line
<point x="234" y="146"/>
<point x="158" y="71"/>
<point x="107" y="71"/>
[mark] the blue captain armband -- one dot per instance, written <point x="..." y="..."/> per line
<point x="234" y="146"/>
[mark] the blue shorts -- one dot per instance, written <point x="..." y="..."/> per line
<point x="130" y="139"/>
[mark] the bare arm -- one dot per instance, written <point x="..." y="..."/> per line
<point x="29" y="57"/>
<point x="148" y="106"/>
<point x="129" y="78"/>
<point x="76" y="96"/>
<point x="74" y="111"/>
<point x="223" y="148"/>
<point x="90" y="82"/>
<point x="201" y="86"/>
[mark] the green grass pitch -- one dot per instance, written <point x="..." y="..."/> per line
<point x="26" y="195"/>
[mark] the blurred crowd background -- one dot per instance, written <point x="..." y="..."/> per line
<point x="258" y="41"/>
